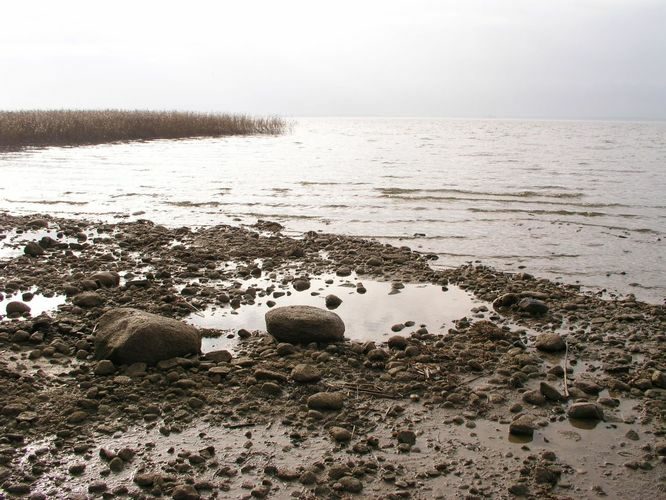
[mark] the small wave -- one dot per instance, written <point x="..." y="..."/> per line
<point x="551" y="212"/>
<point x="331" y="183"/>
<point x="516" y="194"/>
<point x="500" y="200"/>
<point x="48" y="202"/>
<point x="193" y="203"/>
<point x="128" y="195"/>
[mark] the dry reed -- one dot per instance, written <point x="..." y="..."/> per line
<point x="73" y="127"/>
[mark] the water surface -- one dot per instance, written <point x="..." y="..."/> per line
<point x="577" y="201"/>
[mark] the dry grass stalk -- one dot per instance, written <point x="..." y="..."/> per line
<point x="72" y="127"/>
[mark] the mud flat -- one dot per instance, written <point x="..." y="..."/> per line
<point x="463" y="383"/>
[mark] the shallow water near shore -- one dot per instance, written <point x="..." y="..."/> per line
<point x="576" y="201"/>
<point x="367" y="316"/>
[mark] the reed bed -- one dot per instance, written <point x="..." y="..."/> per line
<point x="73" y="127"/>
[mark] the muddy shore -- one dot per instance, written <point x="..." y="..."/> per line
<point x="519" y="387"/>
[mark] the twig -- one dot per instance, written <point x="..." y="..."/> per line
<point x="238" y="426"/>
<point x="197" y="311"/>
<point x="566" y="357"/>
<point x="373" y="392"/>
<point x="471" y="380"/>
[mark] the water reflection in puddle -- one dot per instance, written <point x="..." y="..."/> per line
<point x="367" y="316"/>
<point x="38" y="303"/>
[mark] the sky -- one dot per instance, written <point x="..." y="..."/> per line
<point x="561" y="59"/>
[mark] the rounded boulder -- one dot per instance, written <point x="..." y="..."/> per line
<point x="127" y="336"/>
<point x="304" y="324"/>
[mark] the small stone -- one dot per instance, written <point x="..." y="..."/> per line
<point x="333" y="301"/>
<point x="33" y="249"/>
<point x="632" y="434"/>
<point x="340" y="434"/>
<point x="305" y="374"/>
<point x="221" y="356"/>
<point x="524" y="425"/>
<point x="76" y="469"/>
<point x="550" y="392"/>
<point x="105" y="367"/>
<point x="585" y="411"/>
<point x="88" y="299"/>
<point x="532" y="306"/>
<point x="343" y="271"/>
<point x="116" y="464"/>
<point x="351" y="484"/>
<point x="301" y="284"/>
<point x="534" y="398"/>
<point x="377" y="355"/>
<point x="550" y="342"/>
<point x="285" y="349"/>
<point x="326" y="401"/>
<point x="271" y="388"/>
<point x="16" y="307"/>
<point x="77" y="417"/>
<point x="407" y="436"/>
<point x="397" y="342"/>
<point x="97" y="487"/>
<point x="185" y="492"/>
<point x="144" y="479"/>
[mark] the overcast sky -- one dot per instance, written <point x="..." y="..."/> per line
<point x="465" y="58"/>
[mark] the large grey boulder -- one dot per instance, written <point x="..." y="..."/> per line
<point x="127" y="336"/>
<point x="304" y="324"/>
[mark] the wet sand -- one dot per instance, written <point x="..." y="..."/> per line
<point x="426" y="414"/>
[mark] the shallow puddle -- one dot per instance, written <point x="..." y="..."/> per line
<point x="38" y="303"/>
<point x="367" y="316"/>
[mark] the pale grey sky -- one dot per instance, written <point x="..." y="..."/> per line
<point x="465" y="58"/>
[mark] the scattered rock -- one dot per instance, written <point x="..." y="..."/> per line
<point x="524" y="425"/>
<point x="88" y="299"/>
<point x="305" y="374"/>
<point x="33" y="249"/>
<point x="304" y="324"/>
<point x="340" y="434"/>
<point x="127" y="336"/>
<point x="105" y="367"/>
<point x="16" y="307"/>
<point x="550" y="342"/>
<point x="533" y="306"/>
<point x="333" y="301"/>
<point x="326" y="401"/>
<point x="585" y="411"/>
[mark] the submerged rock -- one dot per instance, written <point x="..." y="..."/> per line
<point x="524" y="425"/>
<point x="127" y="336"/>
<point x="585" y="411"/>
<point x="304" y="324"/>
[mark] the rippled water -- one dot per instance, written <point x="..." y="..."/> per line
<point x="579" y="201"/>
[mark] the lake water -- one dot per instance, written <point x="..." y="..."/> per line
<point x="576" y="201"/>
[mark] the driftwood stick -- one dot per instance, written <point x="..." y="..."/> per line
<point x="566" y="358"/>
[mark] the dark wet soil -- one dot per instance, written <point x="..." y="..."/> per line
<point x="426" y="414"/>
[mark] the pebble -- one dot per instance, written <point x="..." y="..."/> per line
<point x="340" y="434"/>
<point x="326" y="401"/>
<point x="585" y="411"/>
<point x="305" y="374"/>
<point x="550" y="342"/>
